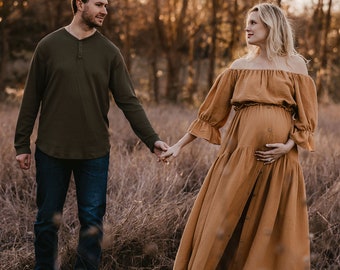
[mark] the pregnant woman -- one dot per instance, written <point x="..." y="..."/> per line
<point x="251" y="210"/>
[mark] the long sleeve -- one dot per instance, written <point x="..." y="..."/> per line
<point x="69" y="81"/>
<point x="215" y="109"/>
<point x="306" y="119"/>
<point x="125" y="98"/>
<point x="30" y="104"/>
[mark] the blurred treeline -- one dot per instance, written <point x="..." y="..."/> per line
<point x="173" y="48"/>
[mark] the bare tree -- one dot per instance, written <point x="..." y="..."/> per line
<point x="214" y="29"/>
<point x="172" y="35"/>
<point x="121" y="26"/>
<point x="186" y="42"/>
<point x="10" y="11"/>
<point x="323" y="75"/>
<point x="57" y="13"/>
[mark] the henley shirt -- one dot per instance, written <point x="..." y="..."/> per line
<point x="69" y="81"/>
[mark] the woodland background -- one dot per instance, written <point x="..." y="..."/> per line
<point x="174" y="49"/>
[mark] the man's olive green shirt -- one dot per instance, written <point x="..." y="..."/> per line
<point x="69" y="80"/>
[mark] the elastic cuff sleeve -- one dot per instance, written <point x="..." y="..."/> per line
<point x="204" y="130"/>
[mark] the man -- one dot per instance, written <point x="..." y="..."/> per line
<point x="71" y="72"/>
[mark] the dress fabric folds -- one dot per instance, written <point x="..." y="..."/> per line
<point x="267" y="203"/>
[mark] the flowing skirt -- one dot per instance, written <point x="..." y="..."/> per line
<point x="248" y="215"/>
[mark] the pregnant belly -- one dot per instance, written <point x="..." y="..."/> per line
<point x="262" y="124"/>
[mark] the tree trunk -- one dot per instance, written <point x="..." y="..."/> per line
<point x="171" y="39"/>
<point x="323" y="74"/>
<point x="173" y="70"/>
<point x="127" y="41"/>
<point x="4" y="58"/>
<point x="191" y="86"/>
<point x="214" y="29"/>
<point x="154" y="78"/>
<point x="234" y="32"/>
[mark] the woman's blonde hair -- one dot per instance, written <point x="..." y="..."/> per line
<point x="280" y="40"/>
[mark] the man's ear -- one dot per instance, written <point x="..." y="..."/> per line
<point x="80" y="4"/>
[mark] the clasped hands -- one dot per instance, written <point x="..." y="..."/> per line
<point x="164" y="151"/>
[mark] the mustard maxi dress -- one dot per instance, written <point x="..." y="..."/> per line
<point x="261" y="207"/>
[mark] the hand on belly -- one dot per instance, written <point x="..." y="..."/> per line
<point x="275" y="151"/>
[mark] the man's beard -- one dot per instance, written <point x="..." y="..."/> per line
<point x="90" y="21"/>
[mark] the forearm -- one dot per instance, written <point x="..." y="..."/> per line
<point x="33" y="94"/>
<point x="186" y="139"/>
<point x="289" y="144"/>
<point x="25" y="124"/>
<point x="176" y="148"/>
<point x="140" y="124"/>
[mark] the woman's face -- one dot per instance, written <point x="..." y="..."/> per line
<point x="256" y="30"/>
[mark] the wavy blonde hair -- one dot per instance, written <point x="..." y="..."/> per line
<point x="280" y="40"/>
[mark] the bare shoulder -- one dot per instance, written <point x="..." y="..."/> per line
<point x="240" y="63"/>
<point x="297" y="64"/>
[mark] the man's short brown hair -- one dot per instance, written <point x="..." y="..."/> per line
<point x="74" y="5"/>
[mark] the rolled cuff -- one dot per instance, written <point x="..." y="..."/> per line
<point x="204" y="130"/>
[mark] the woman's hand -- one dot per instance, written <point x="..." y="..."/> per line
<point x="277" y="150"/>
<point x="176" y="148"/>
<point x="172" y="151"/>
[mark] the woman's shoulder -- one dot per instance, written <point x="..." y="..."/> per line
<point x="294" y="64"/>
<point x="297" y="64"/>
<point x="240" y="63"/>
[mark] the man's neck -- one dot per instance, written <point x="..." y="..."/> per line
<point x="78" y="30"/>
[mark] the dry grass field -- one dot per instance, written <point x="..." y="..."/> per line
<point x="149" y="202"/>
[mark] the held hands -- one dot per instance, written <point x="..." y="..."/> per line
<point x="172" y="151"/>
<point x="277" y="150"/>
<point x="159" y="148"/>
<point x="163" y="151"/>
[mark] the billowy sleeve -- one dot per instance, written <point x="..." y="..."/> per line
<point x="214" y="111"/>
<point x="306" y="118"/>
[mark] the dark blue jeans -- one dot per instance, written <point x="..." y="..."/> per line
<point x="53" y="178"/>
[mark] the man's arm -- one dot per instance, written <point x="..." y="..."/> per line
<point x="30" y="105"/>
<point x="126" y="99"/>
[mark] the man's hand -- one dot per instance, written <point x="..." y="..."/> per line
<point x="24" y="161"/>
<point x="159" y="148"/>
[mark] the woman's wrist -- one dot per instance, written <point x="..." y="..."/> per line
<point x="289" y="144"/>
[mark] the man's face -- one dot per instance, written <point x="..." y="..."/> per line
<point x="94" y="12"/>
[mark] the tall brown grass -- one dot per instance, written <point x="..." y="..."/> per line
<point x="148" y="202"/>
